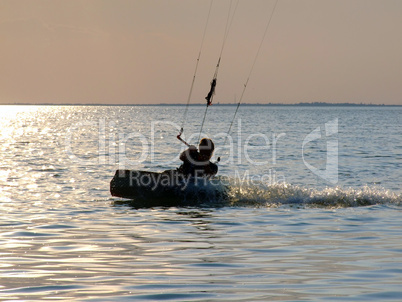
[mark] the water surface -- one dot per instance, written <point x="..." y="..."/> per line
<point x="288" y="235"/>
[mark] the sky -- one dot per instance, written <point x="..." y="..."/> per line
<point x="145" y="51"/>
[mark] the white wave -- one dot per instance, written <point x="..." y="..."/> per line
<point x="287" y="194"/>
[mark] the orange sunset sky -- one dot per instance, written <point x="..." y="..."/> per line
<point x="144" y="51"/>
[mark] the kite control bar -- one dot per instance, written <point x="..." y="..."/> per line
<point x="182" y="140"/>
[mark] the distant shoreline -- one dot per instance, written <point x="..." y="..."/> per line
<point x="301" y="104"/>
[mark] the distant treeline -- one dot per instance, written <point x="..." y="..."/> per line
<point x="203" y="104"/>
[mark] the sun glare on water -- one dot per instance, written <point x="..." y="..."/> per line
<point x="11" y="111"/>
<point x="12" y="119"/>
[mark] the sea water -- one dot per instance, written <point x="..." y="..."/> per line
<point x="313" y="214"/>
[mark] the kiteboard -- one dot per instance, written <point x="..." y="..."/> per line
<point x="167" y="188"/>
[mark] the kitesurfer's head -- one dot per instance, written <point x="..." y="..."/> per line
<point x="206" y="148"/>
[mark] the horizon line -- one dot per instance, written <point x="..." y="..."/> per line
<point x="199" y="104"/>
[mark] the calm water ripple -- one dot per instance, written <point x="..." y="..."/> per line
<point x="63" y="237"/>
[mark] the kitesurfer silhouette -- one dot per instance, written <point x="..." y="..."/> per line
<point x="197" y="162"/>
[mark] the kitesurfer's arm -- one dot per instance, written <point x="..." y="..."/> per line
<point x="189" y="155"/>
